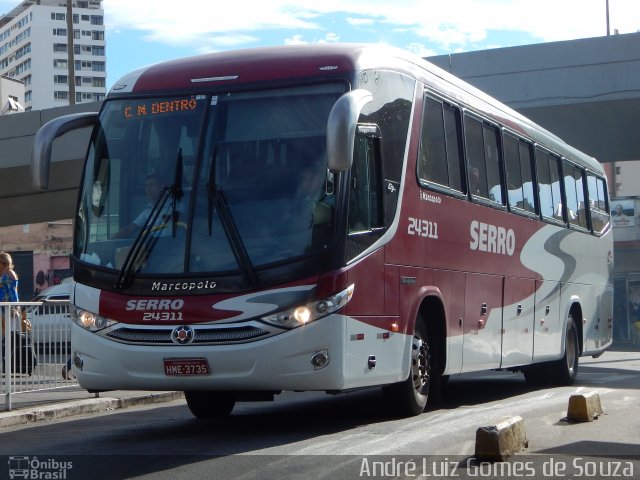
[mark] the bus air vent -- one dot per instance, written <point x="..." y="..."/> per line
<point x="201" y="335"/>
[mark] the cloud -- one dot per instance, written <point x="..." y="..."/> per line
<point x="435" y="24"/>
<point x="357" y="22"/>
<point x="295" y="40"/>
<point x="299" y="39"/>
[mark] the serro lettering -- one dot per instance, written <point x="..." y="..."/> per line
<point x="155" y="304"/>
<point x="491" y="238"/>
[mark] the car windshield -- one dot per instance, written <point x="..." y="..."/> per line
<point x="208" y="183"/>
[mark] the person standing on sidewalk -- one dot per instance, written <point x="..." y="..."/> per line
<point x="8" y="279"/>
<point x="8" y="284"/>
<point x="8" y="293"/>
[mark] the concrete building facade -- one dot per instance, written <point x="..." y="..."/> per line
<point x="34" y="49"/>
<point x="40" y="252"/>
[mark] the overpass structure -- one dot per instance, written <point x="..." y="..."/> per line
<point x="586" y="91"/>
<point x="20" y="203"/>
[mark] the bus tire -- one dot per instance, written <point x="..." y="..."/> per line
<point x="566" y="369"/>
<point x="559" y="372"/>
<point x="210" y="404"/>
<point x="410" y="397"/>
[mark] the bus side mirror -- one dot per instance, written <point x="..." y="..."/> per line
<point x="43" y="143"/>
<point x="341" y="128"/>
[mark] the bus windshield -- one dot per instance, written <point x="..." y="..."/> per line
<point x="208" y="183"/>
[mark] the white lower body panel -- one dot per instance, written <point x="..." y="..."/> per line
<point x="280" y="362"/>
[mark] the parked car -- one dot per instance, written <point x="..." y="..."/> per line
<point x="50" y="322"/>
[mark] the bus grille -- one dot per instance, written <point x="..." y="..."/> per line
<point x="201" y="335"/>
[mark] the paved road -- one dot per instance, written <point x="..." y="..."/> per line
<point x="311" y="435"/>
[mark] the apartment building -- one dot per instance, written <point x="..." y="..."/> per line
<point x="34" y="49"/>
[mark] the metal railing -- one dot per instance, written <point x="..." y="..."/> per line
<point x="39" y="338"/>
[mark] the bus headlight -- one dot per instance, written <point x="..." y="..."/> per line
<point x="89" y="321"/>
<point x="303" y="314"/>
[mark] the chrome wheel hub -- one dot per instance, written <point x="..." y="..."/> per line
<point x="420" y="366"/>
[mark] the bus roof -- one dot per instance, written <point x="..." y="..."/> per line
<point x="273" y="64"/>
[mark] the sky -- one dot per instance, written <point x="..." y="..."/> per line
<point x="142" y="32"/>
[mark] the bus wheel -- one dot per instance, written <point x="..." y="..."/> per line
<point x="559" y="372"/>
<point x="410" y="397"/>
<point x="566" y="369"/>
<point x="210" y="404"/>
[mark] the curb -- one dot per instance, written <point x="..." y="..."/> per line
<point x="79" y="407"/>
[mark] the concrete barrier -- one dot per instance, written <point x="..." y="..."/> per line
<point x="500" y="441"/>
<point x="584" y="408"/>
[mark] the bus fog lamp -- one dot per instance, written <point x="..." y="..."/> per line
<point x="320" y="359"/>
<point x="78" y="361"/>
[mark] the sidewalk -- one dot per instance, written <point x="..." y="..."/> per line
<point x="33" y="407"/>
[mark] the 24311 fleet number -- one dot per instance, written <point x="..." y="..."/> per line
<point x="422" y="228"/>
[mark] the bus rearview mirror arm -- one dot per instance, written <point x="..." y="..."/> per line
<point x="341" y="128"/>
<point x="43" y="143"/>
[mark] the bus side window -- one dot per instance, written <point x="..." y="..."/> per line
<point x="476" y="168"/>
<point x="483" y="159"/>
<point x="366" y="219"/>
<point x="598" y="206"/>
<point x="574" y="189"/>
<point x="529" y="202"/>
<point x="492" y="162"/>
<point x="440" y="151"/>
<point x="511" y="152"/>
<point x="432" y="163"/>
<point x="551" y="205"/>
<point x="519" y="169"/>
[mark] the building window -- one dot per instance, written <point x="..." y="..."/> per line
<point x="60" y="32"/>
<point x="61" y="95"/>
<point x="60" y="47"/>
<point x="59" y="63"/>
<point x="60" y="79"/>
<point x="84" y="97"/>
<point x="97" y="20"/>
<point x="97" y="35"/>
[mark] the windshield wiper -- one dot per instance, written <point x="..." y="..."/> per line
<point x="144" y="240"/>
<point x="141" y="239"/>
<point x="218" y="202"/>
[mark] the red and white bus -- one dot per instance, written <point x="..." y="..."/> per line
<point x="331" y="217"/>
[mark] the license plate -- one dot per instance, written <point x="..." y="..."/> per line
<point x="186" y="366"/>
